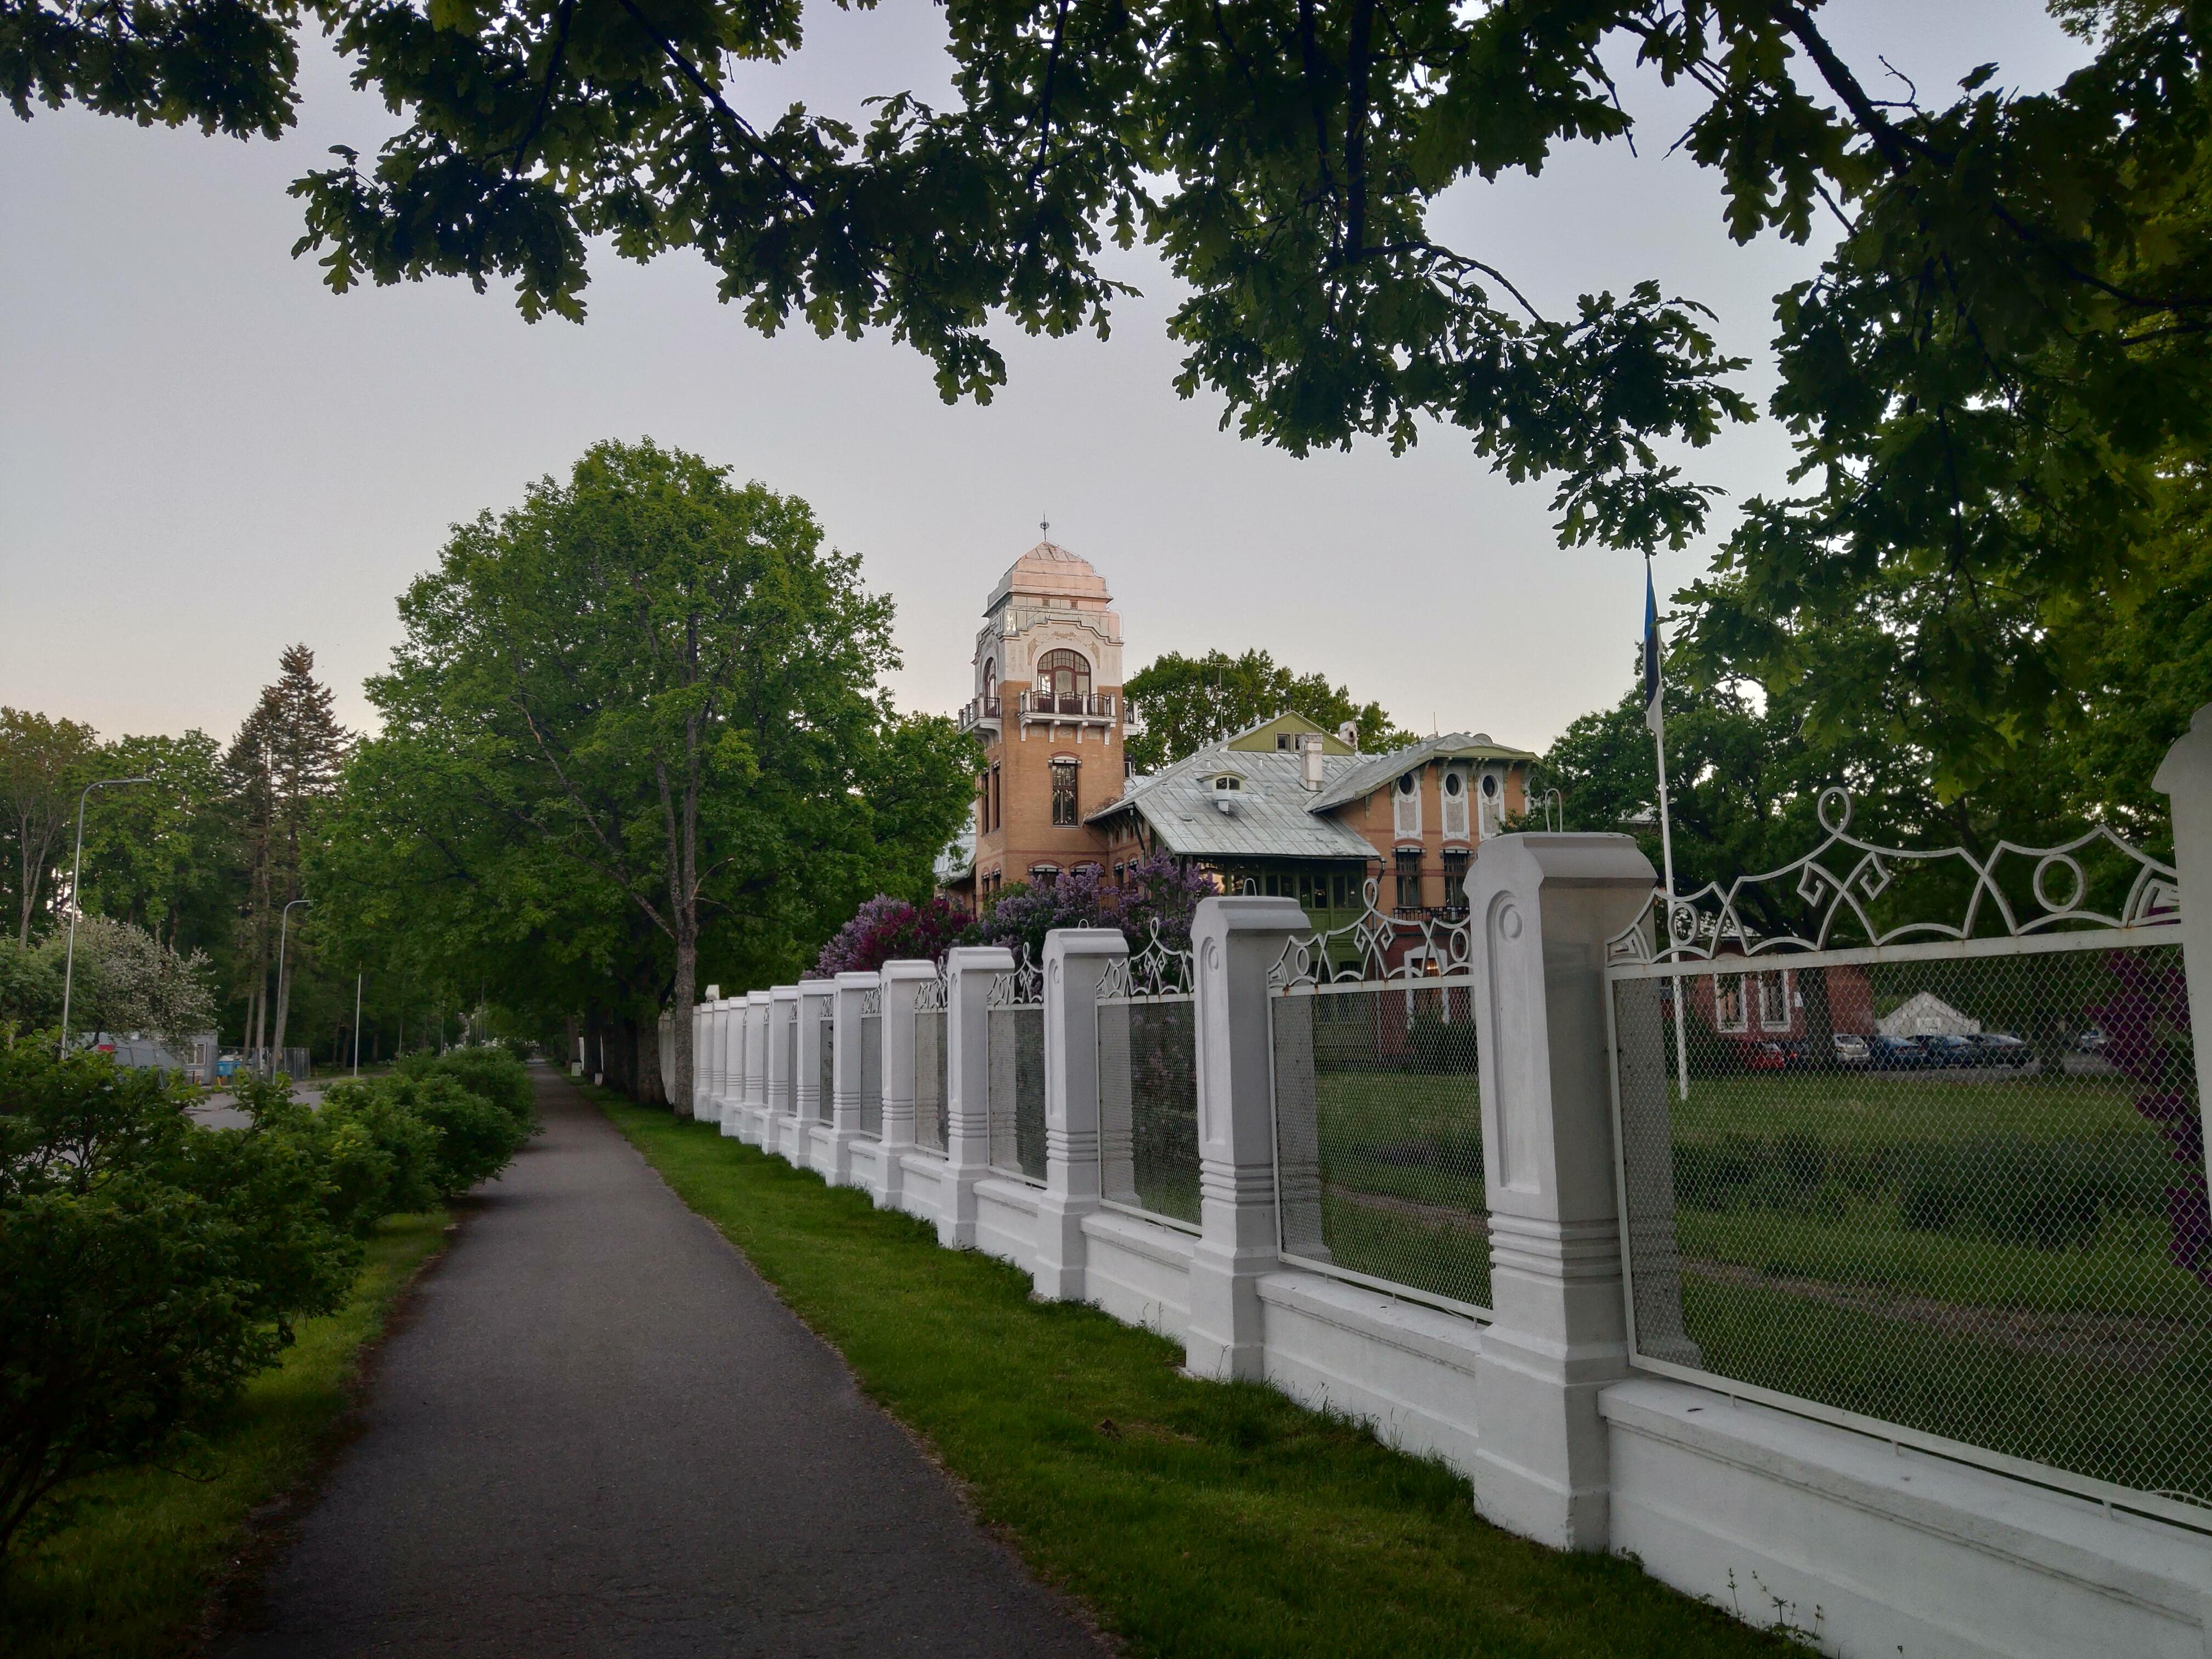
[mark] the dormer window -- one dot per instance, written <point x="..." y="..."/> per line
<point x="1228" y="780"/>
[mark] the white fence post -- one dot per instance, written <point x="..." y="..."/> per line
<point x="1542" y="908"/>
<point x="782" y="1074"/>
<point x="811" y="1095"/>
<point x="1234" y="943"/>
<point x="969" y="971"/>
<point x="730" y="1095"/>
<point x="706" y="1060"/>
<point x="753" y="1101"/>
<point x="2185" y="776"/>
<point x="1074" y="958"/>
<point x="844" y="1082"/>
<point x="902" y="979"/>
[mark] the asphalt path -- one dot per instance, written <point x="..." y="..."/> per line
<point x="596" y="1432"/>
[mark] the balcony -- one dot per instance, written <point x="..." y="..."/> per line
<point x="1039" y="708"/>
<point x="982" y="714"/>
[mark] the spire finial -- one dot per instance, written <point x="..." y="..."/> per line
<point x="1044" y="528"/>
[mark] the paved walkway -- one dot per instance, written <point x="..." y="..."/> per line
<point x="598" y="1433"/>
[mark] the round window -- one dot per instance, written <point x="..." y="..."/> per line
<point x="1406" y="784"/>
<point x="1490" y="785"/>
<point x="1452" y="785"/>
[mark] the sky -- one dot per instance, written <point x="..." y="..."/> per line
<point x="205" y="455"/>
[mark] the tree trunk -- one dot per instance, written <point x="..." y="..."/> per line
<point x="680" y="1094"/>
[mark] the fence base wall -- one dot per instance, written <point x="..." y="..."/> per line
<point x="1138" y="1271"/>
<point x="1869" y="1552"/>
<point x="1007" y="1221"/>
<point x="865" y="1169"/>
<point x="1405" y="1370"/>
<point x="925" y="1179"/>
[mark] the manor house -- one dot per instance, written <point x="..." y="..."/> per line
<point x="1282" y="808"/>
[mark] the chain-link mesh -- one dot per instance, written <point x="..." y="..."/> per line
<point x="1148" y="1105"/>
<point x="1015" y="1035"/>
<point x="871" y="1076"/>
<point x="929" y="1111"/>
<point x="1378" y="1126"/>
<point x="825" y="1057"/>
<point x="1963" y="1195"/>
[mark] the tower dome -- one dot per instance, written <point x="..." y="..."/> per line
<point x="1049" y="571"/>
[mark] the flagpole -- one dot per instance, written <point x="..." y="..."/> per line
<point x="1654" y="716"/>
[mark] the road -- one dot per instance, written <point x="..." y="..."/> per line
<point x="596" y="1432"/>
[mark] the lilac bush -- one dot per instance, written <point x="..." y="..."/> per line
<point x="885" y="928"/>
<point x="1155" y="892"/>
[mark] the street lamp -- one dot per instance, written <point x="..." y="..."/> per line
<point x="76" y="872"/>
<point x="284" y="987"/>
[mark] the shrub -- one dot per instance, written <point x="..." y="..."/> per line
<point x="493" y="1073"/>
<point x="476" y="1136"/>
<point x="380" y="1158"/>
<point x="887" y="928"/>
<point x="148" y="1266"/>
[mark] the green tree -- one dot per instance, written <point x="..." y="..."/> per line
<point x="1186" y="702"/>
<point x="646" y="705"/>
<point x="42" y="768"/>
<point x="163" y="855"/>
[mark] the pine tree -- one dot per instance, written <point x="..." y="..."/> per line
<point x="283" y="765"/>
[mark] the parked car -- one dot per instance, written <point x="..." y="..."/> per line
<point x="2091" y="1040"/>
<point x="2003" y="1048"/>
<point x="1944" y="1049"/>
<point x="1896" y="1053"/>
<point x="1848" y="1049"/>
<point x="1765" y="1056"/>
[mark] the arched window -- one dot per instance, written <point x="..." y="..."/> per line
<point x="990" y="688"/>
<point x="1063" y="682"/>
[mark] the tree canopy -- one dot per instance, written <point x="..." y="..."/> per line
<point x="637" y="726"/>
<point x="1186" y="702"/>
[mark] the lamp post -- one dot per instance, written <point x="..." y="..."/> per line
<point x="76" y="873"/>
<point x="284" y="987"/>
<point x="356" y="1024"/>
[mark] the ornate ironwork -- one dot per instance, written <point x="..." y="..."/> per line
<point x="1378" y="946"/>
<point x="1841" y="878"/>
<point x="1156" y="970"/>
<point x="929" y="994"/>
<point x="871" y="1001"/>
<point x="1020" y="987"/>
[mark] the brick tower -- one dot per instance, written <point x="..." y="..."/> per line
<point x="1047" y="711"/>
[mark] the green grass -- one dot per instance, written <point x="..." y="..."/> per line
<point x="1875" y="1108"/>
<point x="131" y="1570"/>
<point x="1192" y="1518"/>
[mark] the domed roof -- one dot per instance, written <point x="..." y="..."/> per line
<point x="1050" y="571"/>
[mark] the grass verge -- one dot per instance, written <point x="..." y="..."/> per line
<point x="1191" y="1518"/>
<point x="140" y="1553"/>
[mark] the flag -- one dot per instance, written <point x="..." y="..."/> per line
<point x="1652" y="716"/>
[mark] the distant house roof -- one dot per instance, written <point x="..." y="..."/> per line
<point x="958" y="861"/>
<point x="1270" y="814"/>
<point x="1373" y="771"/>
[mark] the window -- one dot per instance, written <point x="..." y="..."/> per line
<point x="1406" y="805"/>
<point x="1043" y="875"/>
<point x="1455" y="793"/>
<point x="990" y="688"/>
<point x="1409" y="879"/>
<point x="1455" y="865"/>
<point x="994" y="807"/>
<point x="1228" y="780"/>
<point x="1728" y="1012"/>
<point x="1063" y="683"/>
<point x="1774" y="1002"/>
<point x="1063" y="791"/>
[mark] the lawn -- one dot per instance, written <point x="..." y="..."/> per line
<point x="1192" y="1518"/>
<point x="132" y="1570"/>
<point x="1876" y="1107"/>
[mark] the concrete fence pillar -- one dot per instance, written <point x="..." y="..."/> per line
<point x="706" y="1060"/>
<point x="1075" y="958"/>
<point x="1234" y="943"/>
<point x="810" y="1095"/>
<point x="901" y="979"/>
<point x="752" y="1099"/>
<point x="2185" y="778"/>
<point x="1542" y="909"/>
<point x="849" y="1000"/>
<point x="782" y="1071"/>
<point x="969" y="972"/>
<point x="730" y="1098"/>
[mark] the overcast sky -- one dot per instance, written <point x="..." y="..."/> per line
<point x="205" y="455"/>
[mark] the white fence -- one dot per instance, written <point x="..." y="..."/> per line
<point x="1647" y="1236"/>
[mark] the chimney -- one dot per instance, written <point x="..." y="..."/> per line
<point x="1309" y="755"/>
<point x="1350" y="732"/>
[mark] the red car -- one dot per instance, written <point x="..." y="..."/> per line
<point x="1762" y="1056"/>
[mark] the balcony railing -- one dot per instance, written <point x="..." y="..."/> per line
<point x="984" y="711"/>
<point x="1044" y="706"/>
